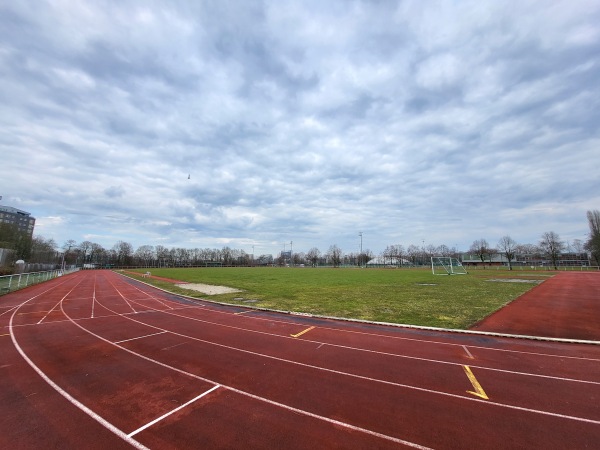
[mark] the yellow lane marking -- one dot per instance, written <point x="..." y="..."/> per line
<point x="479" y="392"/>
<point x="302" y="332"/>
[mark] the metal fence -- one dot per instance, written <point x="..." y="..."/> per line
<point x="9" y="283"/>
<point x="547" y="268"/>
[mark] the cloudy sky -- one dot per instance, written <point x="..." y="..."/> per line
<point x="241" y="123"/>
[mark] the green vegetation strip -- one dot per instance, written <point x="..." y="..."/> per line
<point x="407" y="296"/>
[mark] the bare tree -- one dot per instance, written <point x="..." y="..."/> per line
<point x="145" y="253"/>
<point x="394" y="252"/>
<point x="97" y="253"/>
<point x="443" y="250"/>
<point x="299" y="258"/>
<point x="413" y="253"/>
<point x="397" y="251"/>
<point x="43" y="250"/>
<point x="528" y="249"/>
<point x="123" y="251"/>
<point x="389" y="253"/>
<point x="481" y="248"/>
<point x="508" y="247"/>
<point x="86" y="249"/>
<point x="335" y="255"/>
<point x="593" y="243"/>
<point x="313" y="256"/>
<point x="578" y="246"/>
<point x="552" y="247"/>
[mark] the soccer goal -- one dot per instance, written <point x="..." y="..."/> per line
<point x="445" y="265"/>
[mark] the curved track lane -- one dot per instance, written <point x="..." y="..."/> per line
<point x="98" y="359"/>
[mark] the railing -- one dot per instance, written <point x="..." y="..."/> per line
<point x="546" y="268"/>
<point x="9" y="283"/>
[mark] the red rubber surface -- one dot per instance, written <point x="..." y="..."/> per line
<point x="564" y="306"/>
<point x="96" y="360"/>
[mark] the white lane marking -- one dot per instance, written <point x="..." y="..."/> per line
<point x="289" y="408"/>
<point x="94" y="297"/>
<point x="122" y="296"/>
<point x="329" y="420"/>
<point x="361" y="377"/>
<point x="140" y="337"/>
<point x="399" y="327"/>
<point x="396" y="355"/>
<point x="62" y="392"/>
<point x="158" y="419"/>
<point x="54" y="307"/>
<point x="173" y="346"/>
<point x="468" y="352"/>
<point x="9" y="310"/>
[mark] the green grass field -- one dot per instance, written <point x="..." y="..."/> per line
<point x="413" y="296"/>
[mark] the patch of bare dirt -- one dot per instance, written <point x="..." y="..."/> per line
<point x="208" y="289"/>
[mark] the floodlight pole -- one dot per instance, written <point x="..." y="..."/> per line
<point x="291" y="250"/>
<point x="360" y="255"/>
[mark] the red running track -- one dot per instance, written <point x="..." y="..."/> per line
<point x="564" y="306"/>
<point x="97" y="360"/>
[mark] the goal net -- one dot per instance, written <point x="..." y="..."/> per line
<point x="445" y="265"/>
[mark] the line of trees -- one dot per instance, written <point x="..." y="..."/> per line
<point x="550" y="246"/>
<point x="41" y="250"/>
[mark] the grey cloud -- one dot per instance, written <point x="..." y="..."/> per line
<point x="114" y="191"/>
<point x="301" y="122"/>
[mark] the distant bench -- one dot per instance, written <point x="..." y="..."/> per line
<point x="146" y="275"/>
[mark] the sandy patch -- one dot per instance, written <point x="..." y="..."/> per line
<point x="208" y="289"/>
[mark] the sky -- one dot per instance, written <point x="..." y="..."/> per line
<point x="265" y="125"/>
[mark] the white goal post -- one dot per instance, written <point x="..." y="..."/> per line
<point x="446" y="265"/>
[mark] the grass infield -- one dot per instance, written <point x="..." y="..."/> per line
<point x="408" y="296"/>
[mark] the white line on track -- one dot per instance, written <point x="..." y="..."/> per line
<point x="121" y="295"/>
<point x="164" y="416"/>
<point x="61" y="391"/>
<point x="9" y="310"/>
<point x="140" y="337"/>
<point x="387" y="336"/>
<point x="468" y="352"/>
<point x="395" y="355"/>
<point x="94" y="297"/>
<point x="54" y="307"/>
<point x="173" y="346"/>
<point x="247" y="394"/>
<point x="361" y="377"/>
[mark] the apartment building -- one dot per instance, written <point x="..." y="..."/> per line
<point x="21" y="219"/>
